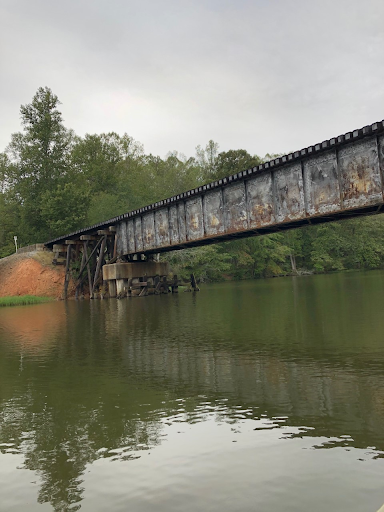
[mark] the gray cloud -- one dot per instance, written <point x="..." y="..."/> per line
<point x="267" y="76"/>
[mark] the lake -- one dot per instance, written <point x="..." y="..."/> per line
<point x="261" y="395"/>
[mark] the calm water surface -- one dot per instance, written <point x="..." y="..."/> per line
<point x="252" y="396"/>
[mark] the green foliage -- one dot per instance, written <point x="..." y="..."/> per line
<point x="234" y="161"/>
<point x="208" y="263"/>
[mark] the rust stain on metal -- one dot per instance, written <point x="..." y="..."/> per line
<point x="322" y="189"/>
<point x="181" y="222"/>
<point x="213" y="213"/>
<point x="124" y="237"/>
<point x="138" y="234"/>
<point x="360" y="174"/>
<point x="173" y="225"/>
<point x="260" y="201"/>
<point x="235" y="207"/>
<point x="119" y="247"/>
<point x="289" y="193"/>
<point x="194" y="218"/>
<point x="148" y="223"/>
<point x="131" y="236"/>
<point x="162" y="227"/>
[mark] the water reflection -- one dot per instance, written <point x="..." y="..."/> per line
<point x="81" y="382"/>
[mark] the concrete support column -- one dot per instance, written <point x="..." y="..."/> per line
<point x="120" y="288"/>
<point x="112" y="288"/>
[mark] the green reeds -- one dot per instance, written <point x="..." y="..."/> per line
<point x="23" y="300"/>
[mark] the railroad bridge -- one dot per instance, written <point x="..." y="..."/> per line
<point x="337" y="178"/>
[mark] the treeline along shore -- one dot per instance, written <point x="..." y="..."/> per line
<point x="53" y="182"/>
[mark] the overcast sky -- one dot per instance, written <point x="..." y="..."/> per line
<point x="265" y="76"/>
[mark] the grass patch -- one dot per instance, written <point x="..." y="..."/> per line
<point x="23" y="300"/>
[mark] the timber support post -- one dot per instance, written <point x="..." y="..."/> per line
<point x="194" y="286"/>
<point x="67" y="278"/>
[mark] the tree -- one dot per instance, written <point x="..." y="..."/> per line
<point x="206" y="158"/>
<point x="234" y="161"/>
<point x="40" y="158"/>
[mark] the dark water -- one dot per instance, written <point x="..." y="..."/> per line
<point x="253" y="396"/>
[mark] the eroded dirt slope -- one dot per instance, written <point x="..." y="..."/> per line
<point x="31" y="274"/>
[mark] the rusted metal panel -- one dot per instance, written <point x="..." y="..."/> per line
<point x="321" y="184"/>
<point x="148" y="225"/>
<point x="124" y="237"/>
<point x="381" y="159"/>
<point x="173" y="225"/>
<point x="194" y="218"/>
<point x="138" y="234"/>
<point x="181" y="222"/>
<point x="360" y="174"/>
<point x="289" y="193"/>
<point x="119" y="246"/>
<point x="162" y="227"/>
<point x="131" y="236"/>
<point x="213" y="213"/>
<point x="235" y="207"/>
<point x="260" y="201"/>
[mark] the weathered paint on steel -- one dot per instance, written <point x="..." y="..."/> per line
<point x="260" y="201"/>
<point x="124" y="237"/>
<point x="148" y="225"/>
<point x="173" y="225"/>
<point x="181" y="222"/>
<point x="213" y="213"/>
<point x="360" y="173"/>
<point x="289" y="193"/>
<point x="131" y="236"/>
<point x="235" y="207"/>
<point x="162" y="227"/>
<point x="138" y="235"/>
<point x="194" y="218"/>
<point x="321" y="184"/>
<point x="119" y="240"/>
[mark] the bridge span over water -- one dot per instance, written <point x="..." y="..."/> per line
<point x="337" y="178"/>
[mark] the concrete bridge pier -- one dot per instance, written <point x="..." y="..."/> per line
<point x="136" y="278"/>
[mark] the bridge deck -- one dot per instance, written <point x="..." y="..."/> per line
<point x="340" y="177"/>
